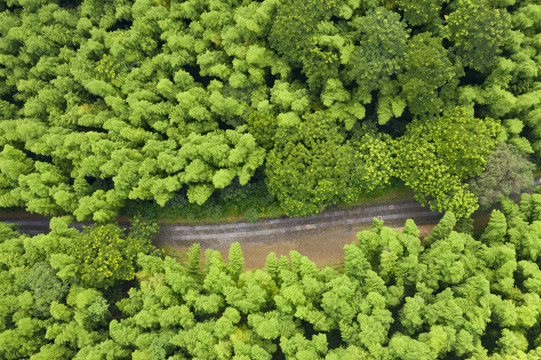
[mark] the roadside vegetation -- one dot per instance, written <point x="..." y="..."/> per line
<point x="200" y="108"/>
<point x="450" y="295"/>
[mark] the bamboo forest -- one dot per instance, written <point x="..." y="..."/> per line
<point x="194" y="111"/>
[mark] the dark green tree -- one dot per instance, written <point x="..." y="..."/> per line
<point x="312" y="165"/>
<point x="477" y="32"/>
<point x="507" y="172"/>
<point x="426" y="69"/>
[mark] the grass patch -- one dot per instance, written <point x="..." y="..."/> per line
<point x="384" y="196"/>
<point x="397" y="192"/>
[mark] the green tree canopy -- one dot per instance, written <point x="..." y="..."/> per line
<point x="447" y="296"/>
<point x="446" y="150"/>
<point x="311" y="165"/>
<point x="164" y="107"/>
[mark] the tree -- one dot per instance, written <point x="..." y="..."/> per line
<point x="383" y="40"/>
<point x="375" y="162"/>
<point x="422" y="13"/>
<point x="107" y="256"/>
<point x="236" y="260"/>
<point x="477" y="32"/>
<point x="295" y="34"/>
<point x="39" y="188"/>
<point x="507" y="172"/>
<point x="304" y="168"/>
<point x="46" y="288"/>
<point x="442" y="230"/>
<point x="262" y="125"/>
<point x="13" y="163"/>
<point x="426" y="69"/>
<point x="312" y="165"/>
<point x="437" y="156"/>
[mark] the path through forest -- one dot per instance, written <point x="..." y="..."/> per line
<point x="324" y="248"/>
<point x="320" y="237"/>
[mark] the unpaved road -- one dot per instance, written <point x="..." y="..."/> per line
<point x="324" y="248"/>
<point x="320" y="237"/>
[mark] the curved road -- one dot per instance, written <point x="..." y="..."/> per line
<point x="223" y="235"/>
<point x="320" y="237"/>
<point x="322" y="232"/>
<point x="262" y="230"/>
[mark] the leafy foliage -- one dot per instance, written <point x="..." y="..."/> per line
<point x="434" y="158"/>
<point x="507" y="172"/>
<point x="427" y="69"/>
<point x="295" y="34"/>
<point x="448" y="296"/>
<point x="106" y="255"/>
<point x="477" y="31"/>
<point x="312" y="165"/>
<point x="306" y="168"/>
<point x="378" y="56"/>
<point x="422" y="12"/>
<point x="150" y="106"/>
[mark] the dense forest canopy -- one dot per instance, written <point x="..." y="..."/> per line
<point x="104" y="104"/>
<point x="450" y="296"/>
<point x="112" y="107"/>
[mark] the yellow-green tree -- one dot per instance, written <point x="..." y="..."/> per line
<point x="437" y="155"/>
<point x="106" y="255"/>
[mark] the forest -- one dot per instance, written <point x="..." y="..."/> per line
<point x="201" y="108"/>
<point x="154" y="107"/>
<point x="449" y="296"/>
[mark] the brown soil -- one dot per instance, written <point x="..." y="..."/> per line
<point x="324" y="248"/>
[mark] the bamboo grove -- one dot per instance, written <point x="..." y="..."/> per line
<point x="449" y="296"/>
<point x="113" y="105"/>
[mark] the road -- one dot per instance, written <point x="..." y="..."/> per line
<point x="320" y="237"/>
